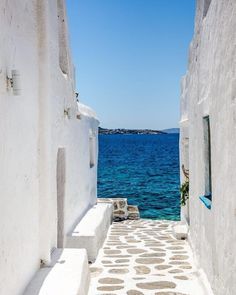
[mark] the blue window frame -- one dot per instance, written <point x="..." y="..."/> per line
<point x="207" y="198"/>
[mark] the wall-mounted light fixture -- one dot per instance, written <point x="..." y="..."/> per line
<point x="14" y="82"/>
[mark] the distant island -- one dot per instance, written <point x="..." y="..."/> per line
<point x="171" y="131"/>
<point x="137" y="131"/>
<point x="129" y="131"/>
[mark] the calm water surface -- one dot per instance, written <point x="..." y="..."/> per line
<point x="144" y="169"/>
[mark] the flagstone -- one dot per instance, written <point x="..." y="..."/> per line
<point x="140" y="257"/>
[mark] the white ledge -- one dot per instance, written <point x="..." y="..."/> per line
<point x="91" y="231"/>
<point x="67" y="274"/>
<point x="180" y="231"/>
<point x="86" y="111"/>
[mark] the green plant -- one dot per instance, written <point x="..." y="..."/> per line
<point x="184" y="189"/>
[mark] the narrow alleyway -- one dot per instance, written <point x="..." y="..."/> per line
<point x="143" y="257"/>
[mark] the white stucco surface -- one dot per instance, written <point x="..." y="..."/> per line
<point x="67" y="274"/>
<point x="91" y="231"/>
<point x="209" y="89"/>
<point x="86" y="111"/>
<point x="41" y="189"/>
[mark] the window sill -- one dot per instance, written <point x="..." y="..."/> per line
<point x="206" y="201"/>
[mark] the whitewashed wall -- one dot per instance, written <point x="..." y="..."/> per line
<point x="33" y="126"/>
<point x="210" y="89"/>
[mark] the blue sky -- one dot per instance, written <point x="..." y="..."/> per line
<point x="130" y="56"/>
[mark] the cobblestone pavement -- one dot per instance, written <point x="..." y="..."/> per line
<point x="143" y="257"/>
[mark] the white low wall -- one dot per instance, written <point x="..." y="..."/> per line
<point x="91" y="231"/>
<point x="68" y="274"/>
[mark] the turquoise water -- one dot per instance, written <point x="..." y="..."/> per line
<point x="144" y="169"/>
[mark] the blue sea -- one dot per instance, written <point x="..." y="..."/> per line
<point x="144" y="169"/>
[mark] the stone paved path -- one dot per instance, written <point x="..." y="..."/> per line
<point x="143" y="257"/>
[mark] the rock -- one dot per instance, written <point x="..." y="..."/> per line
<point x="141" y="270"/>
<point x="110" y="281"/>
<point x="110" y="288"/>
<point x="120" y="211"/>
<point x="134" y="292"/>
<point x="149" y="260"/>
<point x="156" y="285"/>
<point x="162" y="267"/>
<point x="136" y="251"/>
<point x="133" y="212"/>
<point x="118" y="270"/>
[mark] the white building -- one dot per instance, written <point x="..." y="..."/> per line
<point x="48" y="155"/>
<point x="208" y="141"/>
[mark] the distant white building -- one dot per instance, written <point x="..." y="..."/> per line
<point x="208" y="142"/>
<point x="48" y="150"/>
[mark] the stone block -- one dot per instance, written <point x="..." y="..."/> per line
<point x="133" y="212"/>
<point x="120" y="211"/>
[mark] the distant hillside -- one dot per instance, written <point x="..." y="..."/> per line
<point x="171" y="130"/>
<point x="129" y="131"/>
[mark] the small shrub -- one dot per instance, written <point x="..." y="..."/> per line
<point x="184" y="189"/>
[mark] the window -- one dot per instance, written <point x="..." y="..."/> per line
<point x="62" y="36"/>
<point x="92" y="151"/>
<point x="206" y="6"/>
<point x="207" y="198"/>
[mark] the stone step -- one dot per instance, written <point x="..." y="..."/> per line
<point x="121" y="209"/>
<point x="91" y="231"/>
<point x="68" y="274"/>
<point x="133" y="212"/>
